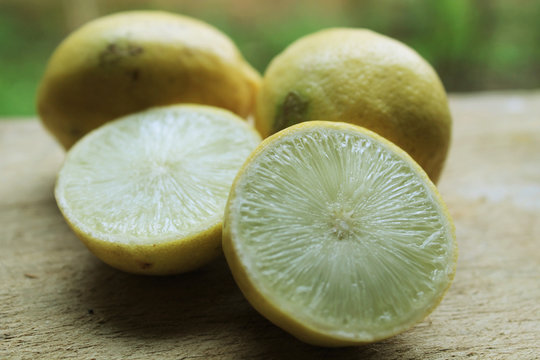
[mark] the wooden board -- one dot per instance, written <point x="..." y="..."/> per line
<point x="58" y="301"/>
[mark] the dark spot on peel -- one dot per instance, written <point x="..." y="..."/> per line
<point x="115" y="52"/>
<point x="109" y="55"/>
<point x="145" y="265"/>
<point x="292" y="111"/>
<point x="134" y="50"/>
<point x="134" y="74"/>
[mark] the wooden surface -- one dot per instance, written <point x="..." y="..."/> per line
<point x="58" y="301"/>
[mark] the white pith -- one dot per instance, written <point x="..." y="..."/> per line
<point x="153" y="177"/>
<point x="341" y="234"/>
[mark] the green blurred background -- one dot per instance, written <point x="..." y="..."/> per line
<point x="474" y="45"/>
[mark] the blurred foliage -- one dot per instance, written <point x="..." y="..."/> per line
<point x="473" y="44"/>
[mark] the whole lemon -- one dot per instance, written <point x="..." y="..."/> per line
<point x="364" y="78"/>
<point x="126" y="62"/>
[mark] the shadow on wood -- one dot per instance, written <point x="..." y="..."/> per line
<point x="203" y="309"/>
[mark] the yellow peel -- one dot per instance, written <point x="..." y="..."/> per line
<point x="364" y="78"/>
<point x="130" y="61"/>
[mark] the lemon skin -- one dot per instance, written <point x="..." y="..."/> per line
<point x="364" y="78"/>
<point x="126" y="62"/>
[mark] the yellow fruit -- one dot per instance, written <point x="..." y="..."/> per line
<point x="337" y="235"/>
<point x="358" y="76"/>
<point x="126" y="62"/>
<point x="146" y="193"/>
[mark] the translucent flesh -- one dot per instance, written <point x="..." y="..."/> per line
<point x="158" y="176"/>
<point x="341" y="233"/>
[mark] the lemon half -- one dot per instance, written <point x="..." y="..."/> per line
<point x="337" y="236"/>
<point x="146" y="193"/>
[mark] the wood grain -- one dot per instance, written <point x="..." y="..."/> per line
<point x="58" y="301"/>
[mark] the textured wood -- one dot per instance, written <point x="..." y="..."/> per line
<point x="58" y="301"/>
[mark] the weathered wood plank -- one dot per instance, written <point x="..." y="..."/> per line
<point x="58" y="301"/>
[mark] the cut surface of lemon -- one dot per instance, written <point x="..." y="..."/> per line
<point x="337" y="236"/>
<point x="146" y="193"/>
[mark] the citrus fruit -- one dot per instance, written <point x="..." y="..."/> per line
<point x="361" y="77"/>
<point x="129" y="61"/>
<point x="337" y="236"/>
<point x="146" y="193"/>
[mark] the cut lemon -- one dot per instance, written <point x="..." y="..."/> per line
<point x="146" y="193"/>
<point x="337" y="236"/>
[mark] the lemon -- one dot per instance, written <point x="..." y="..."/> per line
<point x="337" y="236"/>
<point x="146" y="193"/>
<point x="129" y="61"/>
<point x="361" y="77"/>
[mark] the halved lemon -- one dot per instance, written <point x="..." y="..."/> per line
<point x="146" y="193"/>
<point x="337" y="236"/>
